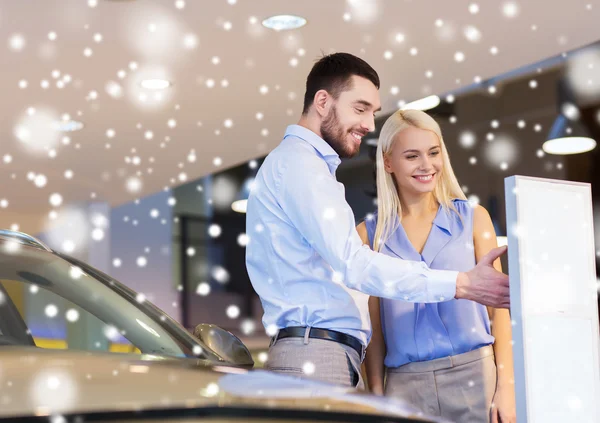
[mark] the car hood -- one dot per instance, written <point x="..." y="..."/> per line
<point x="38" y="382"/>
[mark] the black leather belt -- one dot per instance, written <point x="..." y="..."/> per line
<point x="318" y="333"/>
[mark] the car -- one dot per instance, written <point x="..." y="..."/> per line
<point x="58" y="386"/>
<point x="158" y="371"/>
<point x="52" y="300"/>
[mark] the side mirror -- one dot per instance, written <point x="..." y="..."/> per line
<point x="225" y="344"/>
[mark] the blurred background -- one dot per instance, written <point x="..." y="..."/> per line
<point x="132" y="129"/>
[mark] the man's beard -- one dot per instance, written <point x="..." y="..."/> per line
<point x="336" y="136"/>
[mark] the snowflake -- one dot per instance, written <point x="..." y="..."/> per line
<point x="72" y="315"/>
<point x="263" y="357"/>
<point x="271" y="330"/>
<point x="248" y="327"/>
<point x="203" y="289"/>
<point x="51" y="310"/>
<point x="329" y="213"/>
<point x="308" y="368"/>
<point x="510" y="9"/>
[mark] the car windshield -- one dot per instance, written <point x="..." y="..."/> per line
<point x="51" y="300"/>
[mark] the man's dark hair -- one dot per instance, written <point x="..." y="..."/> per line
<point x="333" y="73"/>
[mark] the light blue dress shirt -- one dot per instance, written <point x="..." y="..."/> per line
<point x="305" y="258"/>
<point x="420" y="332"/>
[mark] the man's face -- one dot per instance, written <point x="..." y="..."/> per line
<point x="351" y="117"/>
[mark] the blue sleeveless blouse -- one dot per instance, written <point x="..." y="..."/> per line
<point x="418" y="331"/>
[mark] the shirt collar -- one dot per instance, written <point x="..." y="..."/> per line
<point x="319" y="144"/>
<point x="442" y="220"/>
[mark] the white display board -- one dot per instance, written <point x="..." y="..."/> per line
<point x="551" y="264"/>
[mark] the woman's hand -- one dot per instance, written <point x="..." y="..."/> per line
<point x="377" y="390"/>
<point x="504" y="409"/>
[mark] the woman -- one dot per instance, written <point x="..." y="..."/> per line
<point x="451" y="359"/>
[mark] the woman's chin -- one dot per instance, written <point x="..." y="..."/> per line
<point x="416" y="190"/>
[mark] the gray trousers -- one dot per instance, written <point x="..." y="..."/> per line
<point x="316" y="359"/>
<point x="459" y="388"/>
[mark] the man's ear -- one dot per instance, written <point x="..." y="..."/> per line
<point x="322" y="102"/>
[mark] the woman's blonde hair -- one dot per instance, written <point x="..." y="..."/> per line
<point x="389" y="209"/>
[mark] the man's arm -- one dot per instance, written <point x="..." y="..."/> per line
<point x="315" y="204"/>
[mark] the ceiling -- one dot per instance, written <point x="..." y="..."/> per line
<point x="253" y="69"/>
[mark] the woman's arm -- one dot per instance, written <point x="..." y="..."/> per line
<point x="376" y="349"/>
<point x="484" y="239"/>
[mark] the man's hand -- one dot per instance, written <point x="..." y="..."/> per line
<point x="484" y="284"/>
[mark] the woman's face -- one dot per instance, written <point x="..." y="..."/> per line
<point x="415" y="160"/>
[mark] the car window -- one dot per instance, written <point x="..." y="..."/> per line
<point x="47" y="291"/>
<point x="57" y="323"/>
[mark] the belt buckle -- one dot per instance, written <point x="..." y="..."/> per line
<point x="363" y="353"/>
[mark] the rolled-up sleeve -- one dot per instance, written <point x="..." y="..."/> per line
<point x="315" y="204"/>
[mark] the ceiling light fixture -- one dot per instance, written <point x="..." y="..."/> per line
<point x="68" y="126"/>
<point x="569" y="145"/>
<point x="426" y="103"/>
<point x="284" y="22"/>
<point x="568" y="136"/>
<point x="239" y="206"/>
<point x="155" y="84"/>
<point x="241" y="203"/>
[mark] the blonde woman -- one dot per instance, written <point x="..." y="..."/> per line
<point x="451" y="359"/>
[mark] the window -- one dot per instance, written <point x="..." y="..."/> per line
<point x="57" y="323"/>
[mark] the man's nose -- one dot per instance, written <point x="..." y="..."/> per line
<point x="368" y="124"/>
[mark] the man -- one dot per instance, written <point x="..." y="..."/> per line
<point x="305" y="259"/>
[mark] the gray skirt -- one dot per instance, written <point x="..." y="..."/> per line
<point x="459" y="388"/>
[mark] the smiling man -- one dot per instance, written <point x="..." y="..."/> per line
<point x="305" y="258"/>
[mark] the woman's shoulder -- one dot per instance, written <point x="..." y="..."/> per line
<point x="363" y="232"/>
<point x="467" y="206"/>
<point x="461" y="213"/>
<point x="463" y="207"/>
<point x="370" y="219"/>
<point x="468" y="210"/>
<point x="361" y="227"/>
<point x="460" y="202"/>
<point x="366" y="228"/>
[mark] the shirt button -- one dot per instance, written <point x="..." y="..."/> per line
<point x="441" y="298"/>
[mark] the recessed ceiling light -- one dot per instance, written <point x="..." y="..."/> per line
<point x="68" y="126"/>
<point x="283" y="22"/>
<point x="155" y="84"/>
<point x="569" y="145"/>
<point x="423" y="104"/>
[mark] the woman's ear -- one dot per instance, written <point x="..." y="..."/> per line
<point x="386" y="164"/>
